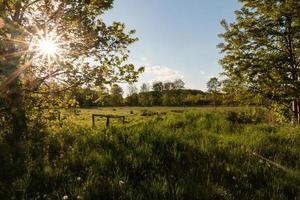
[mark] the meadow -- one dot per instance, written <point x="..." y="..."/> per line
<point x="134" y="115"/>
<point x="160" y="153"/>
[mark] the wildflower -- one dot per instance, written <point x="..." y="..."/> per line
<point x="78" y="178"/>
<point x="65" y="197"/>
<point x="121" y="182"/>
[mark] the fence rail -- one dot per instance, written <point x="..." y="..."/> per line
<point x="107" y="118"/>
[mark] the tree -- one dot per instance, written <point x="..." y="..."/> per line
<point x="213" y="85"/>
<point x="50" y="46"/>
<point x="132" y="98"/>
<point x="178" y="84"/>
<point x="116" y="95"/>
<point x="132" y="89"/>
<point x="145" y="99"/>
<point x="169" y="86"/>
<point x="86" y="97"/>
<point x="144" y="88"/>
<point x="238" y="94"/>
<point x="262" y="51"/>
<point x="158" y="86"/>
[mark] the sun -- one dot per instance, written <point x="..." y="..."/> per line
<point x="48" y="47"/>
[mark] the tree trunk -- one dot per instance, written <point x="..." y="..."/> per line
<point x="17" y="112"/>
<point x="14" y="87"/>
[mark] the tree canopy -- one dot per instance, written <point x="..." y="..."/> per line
<point x="213" y="85"/>
<point x="50" y="46"/>
<point x="262" y="50"/>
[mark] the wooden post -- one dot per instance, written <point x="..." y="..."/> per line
<point x="93" y="120"/>
<point x="122" y="118"/>
<point x="107" y="121"/>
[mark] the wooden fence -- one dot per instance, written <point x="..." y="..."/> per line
<point x="107" y="118"/>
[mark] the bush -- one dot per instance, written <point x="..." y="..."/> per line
<point x="246" y="117"/>
<point x="148" y="113"/>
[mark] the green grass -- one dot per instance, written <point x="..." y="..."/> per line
<point x="202" y="153"/>
<point x="133" y="115"/>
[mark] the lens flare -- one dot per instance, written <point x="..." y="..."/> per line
<point x="48" y="47"/>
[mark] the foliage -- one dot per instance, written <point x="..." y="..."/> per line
<point x="256" y="116"/>
<point x="261" y="50"/>
<point x="236" y="94"/>
<point x="157" y="86"/>
<point x="116" y="94"/>
<point x="89" y="54"/>
<point x="178" y="84"/>
<point x="213" y="85"/>
<point x="87" y="97"/>
<point x="132" y="98"/>
<point x="229" y="94"/>
<point x="144" y="88"/>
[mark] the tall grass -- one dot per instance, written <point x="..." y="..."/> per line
<point x="191" y="155"/>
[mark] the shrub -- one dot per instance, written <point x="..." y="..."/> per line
<point x="148" y="113"/>
<point x="246" y="117"/>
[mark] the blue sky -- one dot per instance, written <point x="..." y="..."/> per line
<point x="177" y="38"/>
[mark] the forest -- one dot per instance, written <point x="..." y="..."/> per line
<point x="174" y="93"/>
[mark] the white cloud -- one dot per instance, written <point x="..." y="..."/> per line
<point x="202" y="72"/>
<point x="162" y="73"/>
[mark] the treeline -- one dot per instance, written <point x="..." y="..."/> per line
<point x="219" y="93"/>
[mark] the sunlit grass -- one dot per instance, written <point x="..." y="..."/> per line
<point x="201" y="153"/>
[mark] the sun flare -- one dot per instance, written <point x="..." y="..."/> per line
<point x="48" y="47"/>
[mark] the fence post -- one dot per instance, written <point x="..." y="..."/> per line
<point x="107" y="121"/>
<point x="93" y="120"/>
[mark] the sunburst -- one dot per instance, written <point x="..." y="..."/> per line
<point x="47" y="47"/>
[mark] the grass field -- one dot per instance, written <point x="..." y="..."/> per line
<point x="160" y="153"/>
<point x="135" y="115"/>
